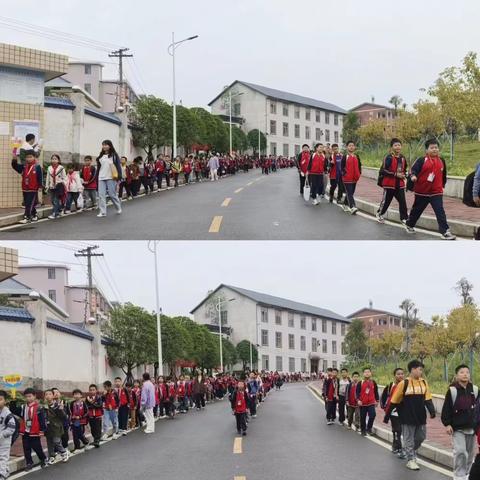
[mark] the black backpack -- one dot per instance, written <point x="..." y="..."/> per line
<point x="16" y="432"/>
<point x="468" y="190"/>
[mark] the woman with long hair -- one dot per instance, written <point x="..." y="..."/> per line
<point x="109" y="172"/>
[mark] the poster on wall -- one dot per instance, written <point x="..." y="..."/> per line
<point x="23" y="127"/>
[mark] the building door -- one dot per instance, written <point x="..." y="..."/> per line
<point x="314" y="365"/>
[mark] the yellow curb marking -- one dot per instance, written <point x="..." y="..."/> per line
<point x="226" y="202"/>
<point x="216" y="223"/>
<point x="237" y="446"/>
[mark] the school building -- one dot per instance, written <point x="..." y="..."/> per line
<point x="290" y="336"/>
<point x="288" y="120"/>
<point x="378" y="322"/>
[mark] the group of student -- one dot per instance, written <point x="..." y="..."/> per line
<point x="405" y="403"/>
<point x="426" y="178"/>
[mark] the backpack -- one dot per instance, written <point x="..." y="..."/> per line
<point x="405" y="385"/>
<point x="468" y="190"/>
<point x="381" y="175"/>
<point x="16" y="432"/>
<point x="453" y="393"/>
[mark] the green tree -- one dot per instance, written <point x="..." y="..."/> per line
<point x="252" y="137"/>
<point x="430" y="118"/>
<point x="239" y="139"/>
<point x="188" y="127"/>
<point x="243" y="353"/>
<point x="176" y="341"/>
<point x="205" y="351"/>
<point x="407" y="128"/>
<point x="351" y="125"/>
<point x="373" y="133"/>
<point x="396" y="101"/>
<point x="229" y="351"/>
<point x="443" y="343"/>
<point x="356" y="340"/>
<point x="409" y="319"/>
<point x="422" y="344"/>
<point x="464" y="289"/>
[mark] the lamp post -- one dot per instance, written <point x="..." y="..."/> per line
<point x="219" y="309"/>
<point x="256" y="337"/>
<point x="171" y="51"/>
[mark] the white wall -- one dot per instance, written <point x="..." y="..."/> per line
<point x="95" y="130"/>
<point x="16" y="352"/>
<point x="58" y="132"/>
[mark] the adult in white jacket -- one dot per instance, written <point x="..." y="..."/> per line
<point x="55" y="184"/>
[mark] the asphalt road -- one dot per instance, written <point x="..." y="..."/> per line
<point x="242" y="207"/>
<point x="288" y="440"/>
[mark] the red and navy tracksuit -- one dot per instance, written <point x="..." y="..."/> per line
<point x="78" y="414"/>
<point x="316" y="170"/>
<point x="123" y="408"/>
<point x="335" y="173"/>
<point x="303" y="160"/>
<point x="32" y="182"/>
<point x="367" y="394"/>
<point x="393" y="186"/>
<point x="331" y="397"/>
<point x="182" y="396"/>
<point x="95" y="417"/>
<point x="431" y="173"/>
<point x="351" y="173"/>
<point x="239" y="402"/>
<point x="159" y="172"/>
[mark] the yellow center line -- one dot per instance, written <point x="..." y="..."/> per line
<point x="236" y="477"/>
<point x="226" y="202"/>
<point x="237" y="445"/>
<point x="216" y="223"/>
<point x="238" y="190"/>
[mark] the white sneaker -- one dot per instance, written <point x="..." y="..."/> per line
<point x="314" y="201"/>
<point x="353" y="211"/>
<point x="104" y="437"/>
<point x="65" y="456"/>
<point x="412" y="465"/>
<point x="52" y="217"/>
<point x="119" y="212"/>
<point x="24" y="221"/>
<point x="448" y="235"/>
<point x="102" y="215"/>
<point x="379" y="217"/>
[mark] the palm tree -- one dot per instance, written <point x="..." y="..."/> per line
<point x="396" y="101"/>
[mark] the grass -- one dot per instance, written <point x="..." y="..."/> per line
<point x="466" y="156"/>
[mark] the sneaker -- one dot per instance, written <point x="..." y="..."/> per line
<point x="409" y="229"/>
<point x="51" y="461"/>
<point x="65" y="456"/>
<point x="96" y="444"/>
<point x="24" y="221"/>
<point x="35" y="219"/>
<point x="253" y="416"/>
<point x="364" y="434"/>
<point x="345" y="208"/>
<point x="401" y="454"/>
<point x="412" y="465"/>
<point x="104" y="437"/>
<point x="380" y="218"/>
<point x="29" y="466"/>
<point x="314" y="201"/>
<point x="349" y="427"/>
<point x="118" y="212"/>
<point x="102" y="215"/>
<point x="404" y="222"/>
<point x="42" y="465"/>
<point x="370" y="433"/>
<point x="52" y="217"/>
<point x="67" y="212"/>
<point x="448" y="235"/>
<point x="244" y="434"/>
<point x="354" y="210"/>
<point x="124" y="432"/>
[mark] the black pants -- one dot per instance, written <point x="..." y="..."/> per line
<point x="388" y="195"/>
<point x="123" y="412"/>
<point x="135" y="187"/>
<point x="187" y="177"/>
<point x="167" y="178"/>
<point x="241" y="422"/>
<point x="397" y="433"/>
<point x="175" y="179"/>
<point x="72" y="197"/>
<point x="147" y="184"/>
<point x="341" y="408"/>
<point x="124" y="186"/>
<point x="29" y="444"/>
<point x="316" y="184"/>
<point x="302" y="183"/>
<point x="199" y="400"/>
<point x="369" y="411"/>
<point x="159" y="180"/>
<point x="96" y="429"/>
<point x="253" y="405"/>
<point x="30" y="199"/>
<point x="78" y="433"/>
<point x="197" y="176"/>
<point x="350" y="189"/>
<point x="331" y="410"/>
<point x="420" y="204"/>
<point x="65" y="437"/>
<point x="334" y="183"/>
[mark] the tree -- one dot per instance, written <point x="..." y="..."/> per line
<point x="132" y="331"/>
<point x="409" y="318"/>
<point x="464" y="289"/>
<point x="176" y="341"/>
<point x="430" y="118"/>
<point x="351" y="124"/>
<point x="188" y="127"/>
<point x="393" y="341"/>
<point x="205" y="351"/>
<point x="396" y="101"/>
<point x="407" y="128"/>
<point x="443" y="343"/>
<point x="239" y="139"/>
<point x="229" y="351"/>
<point x="422" y="345"/>
<point x="243" y="353"/>
<point x="356" y="340"/>
<point x="373" y="133"/>
<point x="252" y="137"/>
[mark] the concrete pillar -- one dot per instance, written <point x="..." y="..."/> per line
<point x="96" y="345"/>
<point x="39" y="342"/>
<point x="78" y="121"/>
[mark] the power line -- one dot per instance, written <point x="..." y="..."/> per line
<point x="106" y="278"/>
<point x="112" y="278"/>
<point x="120" y="54"/>
<point x="136" y="73"/>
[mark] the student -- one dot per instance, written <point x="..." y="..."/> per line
<point x="328" y="376"/>
<point x="168" y="169"/>
<point x="315" y="172"/>
<point x="335" y="174"/>
<point x="182" y="395"/>
<point x="239" y="402"/>
<point x="353" y="411"/>
<point x="458" y="416"/>
<point x="476" y="186"/>
<point x="78" y="410"/>
<point x="187" y="169"/>
<point x="393" y="174"/>
<point x="159" y="170"/>
<point x="74" y="188"/>
<point x="137" y="416"/>
<point x="55" y="185"/>
<point x="198" y="391"/>
<point x="94" y="403"/>
<point x="176" y="169"/>
<point x="410" y="398"/>
<point x="343" y="383"/>
<point x="33" y="425"/>
<point x="109" y="172"/>
<point x="331" y="396"/>
<point x="88" y="175"/>
<point x="32" y="182"/>
<point x="132" y="406"/>
<point x="55" y="417"/>
<point x="123" y="406"/>
<point x="110" y="410"/>
<point x="126" y="181"/>
<point x="429" y="176"/>
<point x="303" y="159"/>
<point x="57" y="395"/>
<point x="171" y="397"/>
<point x="252" y="391"/>
<point x="29" y="144"/>
<point x="148" y="402"/>
<point x="197" y="168"/>
<point x="162" y="394"/>
<point x="351" y="172"/>
<point x="8" y="428"/>
<point x="367" y="400"/>
<point x="388" y="391"/>
<point x="146" y="173"/>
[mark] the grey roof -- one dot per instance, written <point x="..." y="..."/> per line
<point x="10" y="286"/>
<point x="15" y="314"/>
<point x="287" y="97"/>
<point x="69" y="328"/>
<point x="284" y="303"/>
<point x="59" y="102"/>
<point x="379" y="312"/>
<point x="59" y="82"/>
<point x="109" y="117"/>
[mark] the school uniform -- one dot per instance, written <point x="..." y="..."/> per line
<point x="252" y="390"/>
<point x="331" y="398"/>
<point x="353" y="411"/>
<point x="159" y="172"/>
<point x="88" y="174"/>
<point x="74" y="188"/>
<point x="351" y="173"/>
<point x="239" y="402"/>
<point x="315" y="172"/>
<point x="95" y="417"/>
<point x="136" y="182"/>
<point x="335" y="174"/>
<point x="187" y="170"/>
<point x="367" y="394"/>
<point x="7" y="429"/>
<point x="126" y="182"/>
<point x="171" y="397"/>
<point x="303" y="160"/>
<point x="342" y="399"/>
<point x="55" y="416"/>
<point x="32" y="182"/>
<point x="176" y="169"/>
<point x="78" y="412"/>
<point x="163" y="401"/>
<point x="393" y="186"/>
<point x="55" y="185"/>
<point x="182" y="396"/>
<point x="123" y="408"/>
<point x="110" y="411"/>
<point x="385" y="400"/>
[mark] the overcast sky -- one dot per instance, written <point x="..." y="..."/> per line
<point x="340" y="276"/>
<point x="342" y="52"/>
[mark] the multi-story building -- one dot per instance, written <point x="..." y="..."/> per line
<point x="288" y="120"/>
<point x="369" y="111"/>
<point x="378" y="322"/>
<point x="290" y="336"/>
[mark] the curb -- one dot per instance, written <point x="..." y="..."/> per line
<point x="434" y="454"/>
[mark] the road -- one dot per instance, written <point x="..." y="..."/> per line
<point x="288" y="440"/>
<point x="241" y="207"/>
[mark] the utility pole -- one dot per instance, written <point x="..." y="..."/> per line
<point x="120" y="54"/>
<point x="88" y="253"/>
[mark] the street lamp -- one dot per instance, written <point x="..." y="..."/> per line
<point x="171" y="51"/>
<point x="159" y="310"/>
<point x="219" y="309"/>
<point x="256" y="335"/>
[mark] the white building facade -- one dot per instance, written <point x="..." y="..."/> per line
<point x="287" y="119"/>
<point x="290" y="336"/>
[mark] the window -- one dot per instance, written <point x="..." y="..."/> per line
<point x="317" y="116"/>
<point x="278" y="317"/>
<point x="334" y="328"/>
<point x="334" y="364"/>
<point x="344" y="350"/>
<point x="223" y="316"/>
<point x="278" y="339"/>
<point x="324" y="346"/>
<point x="303" y="322"/>
<point x="52" y="295"/>
<point x="285" y="110"/>
<point x="290" y="320"/>
<point x="273" y="108"/>
<point x="51" y="273"/>
<point x="335" y="137"/>
<point x="286" y="150"/>
<point x="285" y="129"/>
<point x="342" y="329"/>
<point x="307" y="114"/>
<point x="273" y="127"/>
<point x="297" y="131"/>
<point x="327" y="118"/>
<point x="335" y="119"/>
<point x="318" y="134"/>
<point x="265" y="363"/>
<point x="88" y="69"/>
<point x="334" y="347"/>
<point x="314" y="344"/>
<point x="278" y="364"/>
<point x="325" y="365"/>
<point x="327" y="135"/>
<point x="303" y="363"/>
<point x="88" y="87"/>
<point x="237" y="109"/>
<point x="264" y="338"/>
<point x="324" y="326"/>
<point x="291" y="341"/>
<point x="264" y="315"/>
<point x="297" y="149"/>
<point x="303" y="343"/>
<point x="307" y="133"/>
<point x="291" y="364"/>
<point x="273" y="148"/>
<point x="314" y="324"/>
<point x="296" y="112"/>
